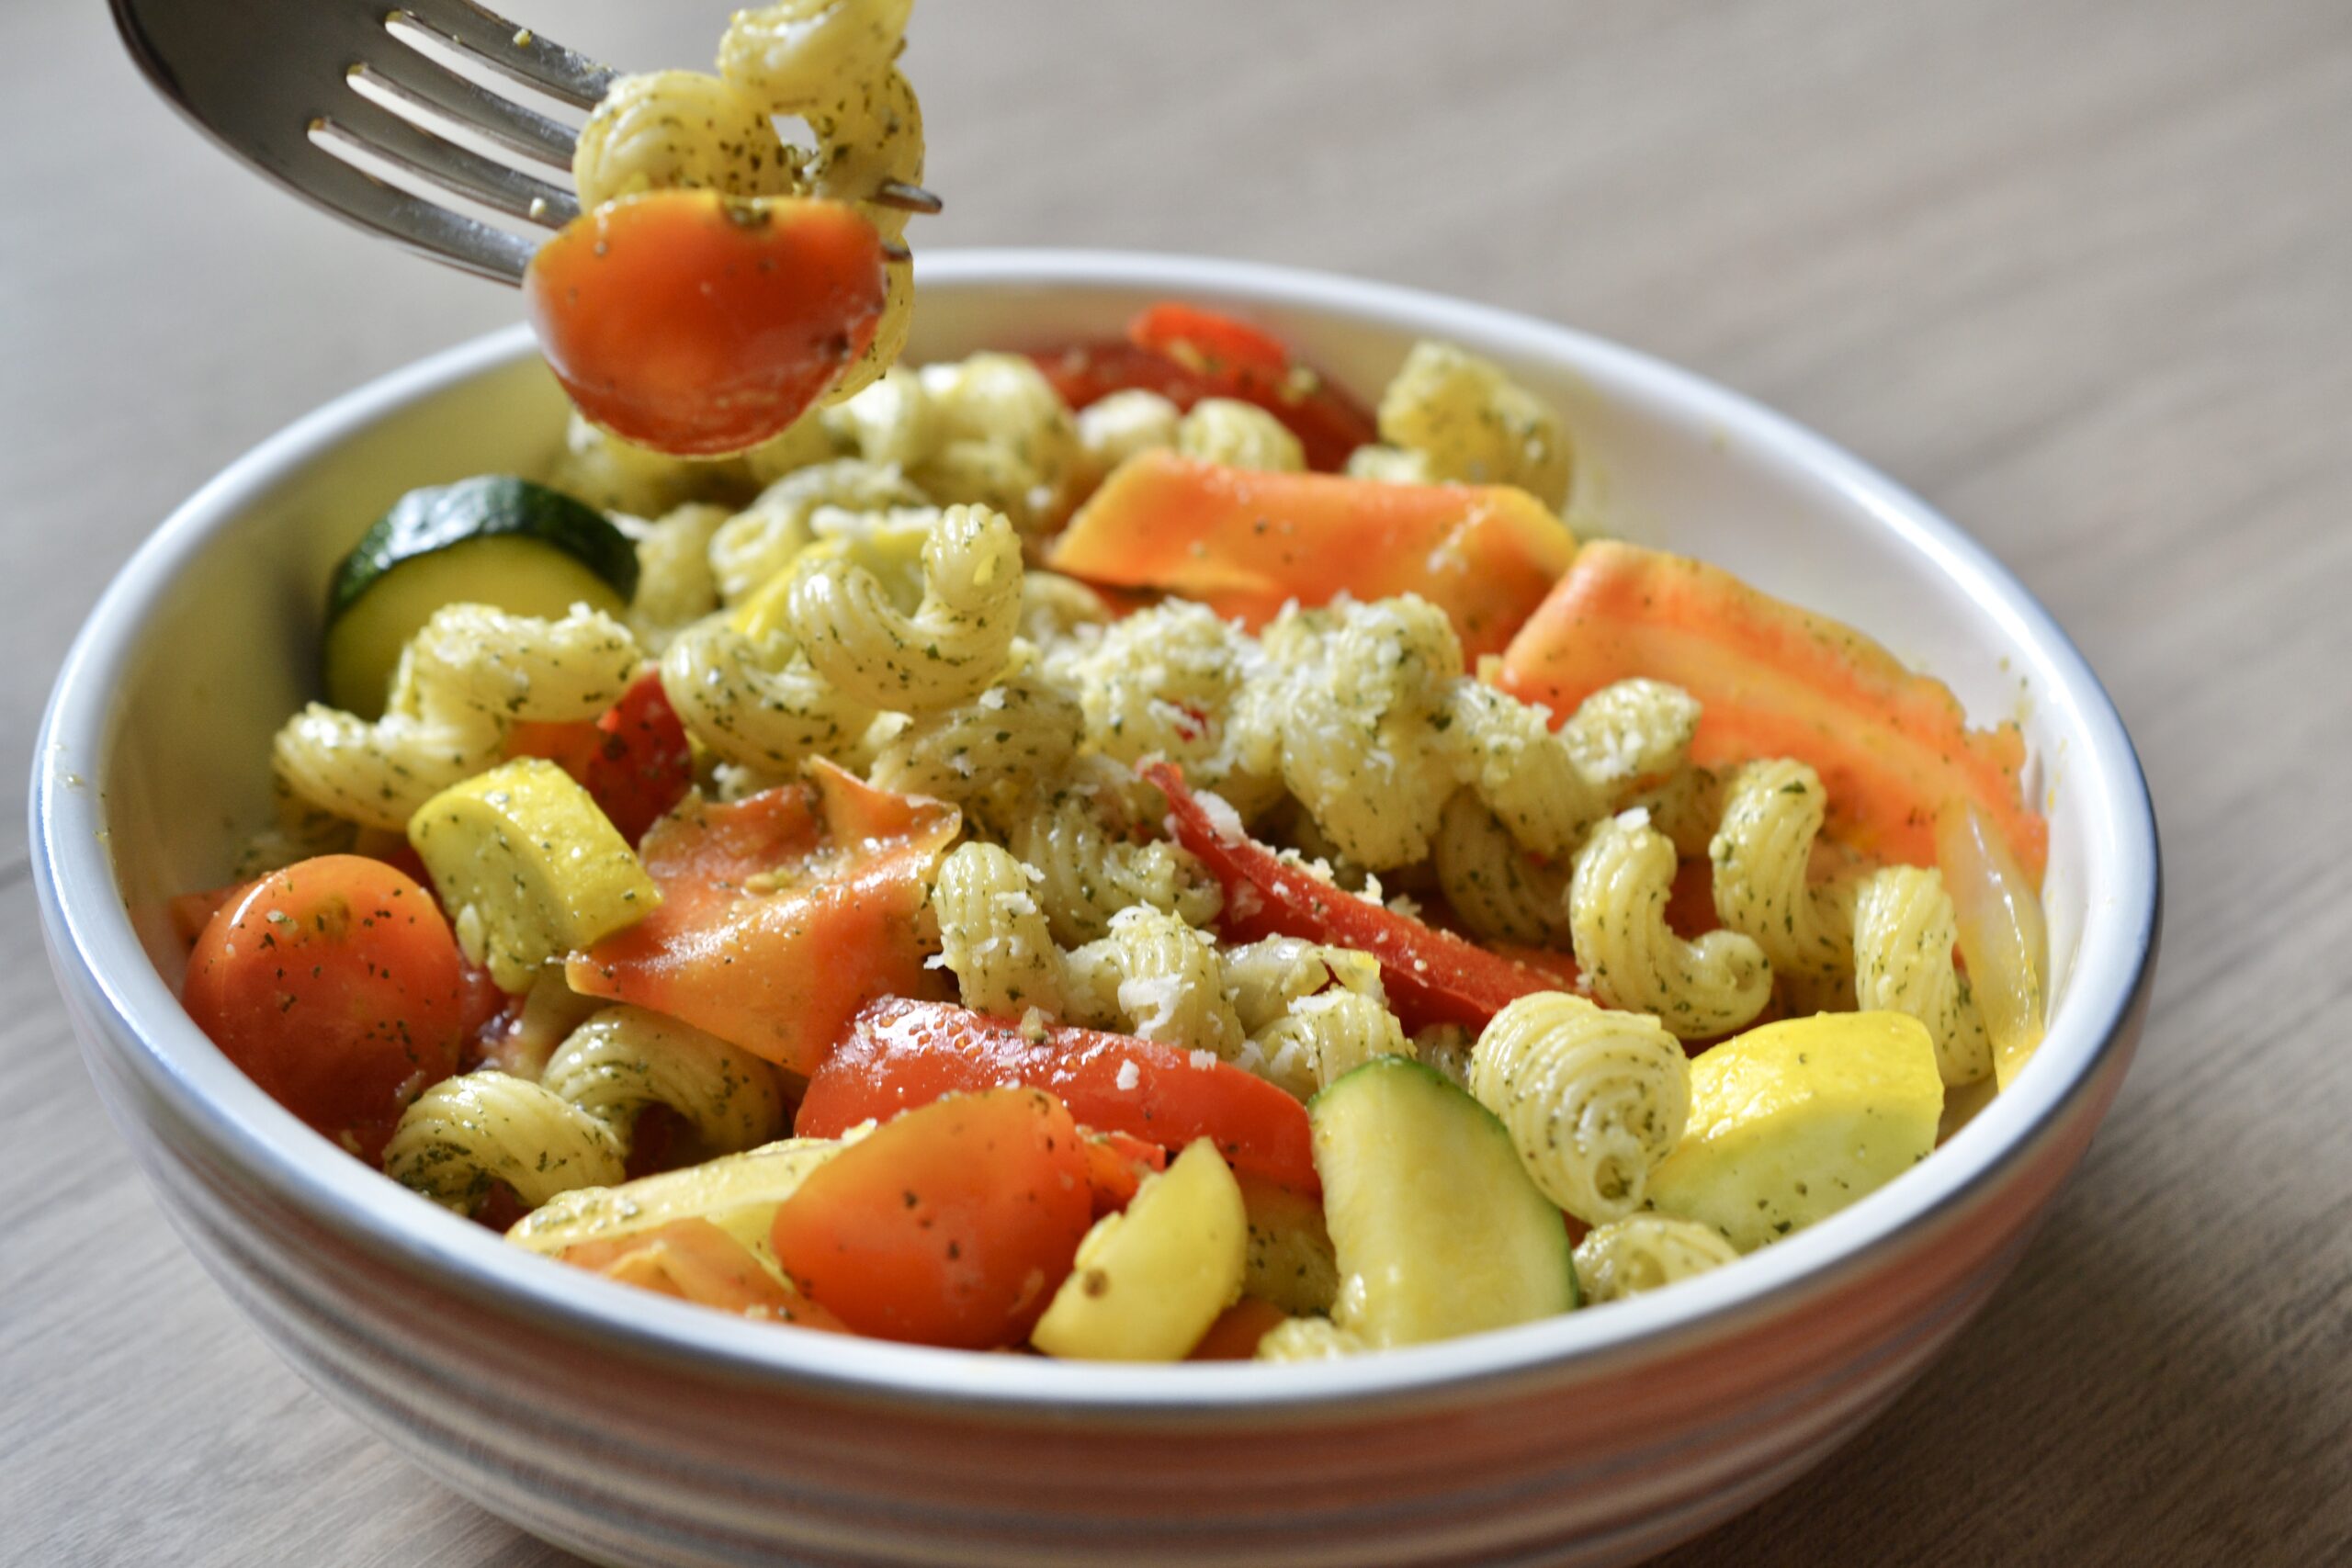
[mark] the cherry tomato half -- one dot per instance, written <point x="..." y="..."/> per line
<point x="952" y="1225"/>
<point x="701" y="324"/>
<point x="336" y="985"/>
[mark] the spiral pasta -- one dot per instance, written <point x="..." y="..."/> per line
<point x="1238" y="435"/>
<point x="1464" y="420"/>
<point x="987" y="431"/>
<point x="1390" y="465"/>
<point x="1056" y="610"/>
<point x="1347" y="714"/>
<point x="1685" y="807"/>
<point x="1323" y="1038"/>
<point x="605" y="472"/>
<point x="1364" y="712"/>
<point x="1267" y="977"/>
<point x="1631" y="733"/>
<point x="1904" y="930"/>
<point x="465" y="1135"/>
<point x="796" y="53"/>
<point x="870" y="133"/>
<point x="758" y="704"/>
<point x="1309" y="1339"/>
<point x="993" y="938"/>
<point x="623" y="1060"/>
<point x="766" y="537"/>
<point x="551" y="1010"/>
<point x="1169" y="982"/>
<point x="1086" y="873"/>
<point x="1113" y="429"/>
<point x="1496" y="888"/>
<point x="892" y="423"/>
<point x="1593" y="1099"/>
<point x="992" y="755"/>
<point x="1447" y="1049"/>
<point x="1762" y="850"/>
<point x="1548" y="789"/>
<point x="467" y="676"/>
<point x="1647" y="1252"/>
<point x="678" y="130"/>
<point x="1006" y="439"/>
<point x="1617" y="897"/>
<point x="676" y="586"/>
<point x="1164" y="683"/>
<point x="953" y="644"/>
<point x="832" y="63"/>
<point x="297" y="831"/>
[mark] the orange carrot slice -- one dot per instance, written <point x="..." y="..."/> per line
<point x="694" y="1261"/>
<point x="782" y="914"/>
<point x="1776" y="681"/>
<point x="1245" y="544"/>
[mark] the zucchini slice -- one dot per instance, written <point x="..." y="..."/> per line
<point x="1437" y="1228"/>
<point x="495" y="540"/>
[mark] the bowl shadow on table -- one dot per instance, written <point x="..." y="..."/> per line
<point x="2114" y="1381"/>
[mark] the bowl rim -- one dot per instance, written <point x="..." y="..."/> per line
<point x="97" y="955"/>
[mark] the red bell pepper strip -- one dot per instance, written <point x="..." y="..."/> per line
<point x="634" y="760"/>
<point x="1432" y="976"/>
<point x="1211" y="344"/>
<point x="901" y="1054"/>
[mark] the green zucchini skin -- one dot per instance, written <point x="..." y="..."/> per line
<point x="1437" y="1228"/>
<point x="550" y="551"/>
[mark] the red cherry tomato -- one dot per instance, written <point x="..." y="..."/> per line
<point x="953" y="1224"/>
<point x="336" y="985"/>
<point x="700" y="325"/>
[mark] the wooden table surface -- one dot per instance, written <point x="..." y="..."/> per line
<point x="2079" y="271"/>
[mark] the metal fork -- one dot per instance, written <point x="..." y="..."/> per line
<point x="275" y="82"/>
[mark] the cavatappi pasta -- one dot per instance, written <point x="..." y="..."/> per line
<point x="828" y="63"/>
<point x="1592" y="1097"/>
<point x="464" y="681"/>
<point x="1647" y="1252"/>
<point x="1403" y="969"/>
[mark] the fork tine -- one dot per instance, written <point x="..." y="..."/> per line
<point x="417" y="225"/>
<point x="370" y="125"/>
<point x="907" y="199"/>
<point x="409" y="75"/>
<point x="521" y="53"/>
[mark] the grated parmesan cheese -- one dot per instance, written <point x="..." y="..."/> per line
<point x="1222" y="817"/>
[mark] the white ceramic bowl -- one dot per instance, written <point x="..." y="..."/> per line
<point x="639" y="1430"/>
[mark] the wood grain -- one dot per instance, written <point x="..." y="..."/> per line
<point x="2080" y="272"/>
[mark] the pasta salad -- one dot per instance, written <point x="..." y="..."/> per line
<point x="1055" y="864"/>
<point x="1119" y="850"/>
